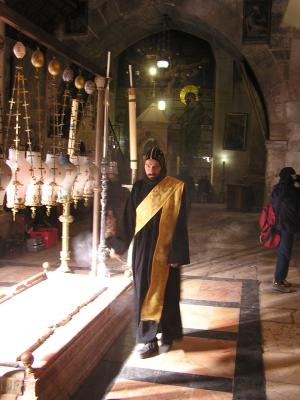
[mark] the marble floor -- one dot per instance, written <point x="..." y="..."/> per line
<point x="241" y="339"/>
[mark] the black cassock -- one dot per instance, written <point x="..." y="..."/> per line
<point x="143" y="248"/>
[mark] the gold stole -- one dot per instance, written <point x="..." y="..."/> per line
<point x="166" y="195"/>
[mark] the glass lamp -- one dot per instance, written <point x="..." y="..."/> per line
<point x="81" y="178"/>
<point x="161" y="105"/>
<point x="16" y="189"/>
<point x="65" y="188"/>
<point x="5" y="177"/>
<point x="52" y="180"/>
<point x="34" y="187"/>
<point x="162" y="63"/>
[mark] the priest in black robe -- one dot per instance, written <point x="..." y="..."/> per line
<point x="155" y="217"/>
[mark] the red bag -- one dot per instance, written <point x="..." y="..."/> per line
<point x="269" y="236"/>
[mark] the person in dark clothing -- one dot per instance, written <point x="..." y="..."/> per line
<point x="188" y="180"/>
<point x="155" y="216"/>
<point x="285" y="201"/>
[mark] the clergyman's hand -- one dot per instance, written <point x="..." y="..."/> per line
<point x="114" y="256"/>
<point x="173" y="265"/>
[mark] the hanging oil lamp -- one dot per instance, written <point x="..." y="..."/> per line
<point x="5" y="177"/>
<point x="53" y="179"/>
<point x="34" y="158"/>
<point x="5" y="171"/>
<point x="20" y="168"/>
<point x="54" y="173"/>
<point x="81" y="179"/>
<point x="93" y="171"/>
<point x="34" y="186"/>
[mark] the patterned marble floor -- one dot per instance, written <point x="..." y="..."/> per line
<point x="208" y="363"/>
<point x="229" y="313"/>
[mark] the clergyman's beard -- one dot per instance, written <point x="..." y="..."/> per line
<point x="150" y="176"/>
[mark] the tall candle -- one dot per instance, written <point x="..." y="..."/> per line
<point x="108" y="64"/>
<point x="73" y="126"/>
<point x="132" y="128"/>
<point x="130" y="76"/>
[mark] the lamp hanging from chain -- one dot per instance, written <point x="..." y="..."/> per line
<point x="55" y="173"/>
<point x="33" y="197"/>
<point x="85" y="180"/>
<point x="78" y="158"/>
<point x="163" y="46"/>
<point x="5" y="170"/>
<point x="67" y="76"/>
<point x="22" y="171"/>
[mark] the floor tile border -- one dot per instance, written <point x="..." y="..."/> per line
<point x="192" y="381"/>
<point x="208" y="334"/>
<point x="211" y="303"/>
<point x="249" y="381"/>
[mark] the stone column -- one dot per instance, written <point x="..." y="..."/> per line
<point x="275" y="160"/>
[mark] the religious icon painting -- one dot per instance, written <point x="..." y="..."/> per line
<point x="235" y="132"/>
<point x="256" y="21"/>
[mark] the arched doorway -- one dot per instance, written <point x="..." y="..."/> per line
<point x="216" y="119"/>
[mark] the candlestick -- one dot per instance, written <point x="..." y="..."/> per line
<point x="73" y="126"/>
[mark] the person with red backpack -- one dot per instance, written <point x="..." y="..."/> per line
<point x="285" y="199"/>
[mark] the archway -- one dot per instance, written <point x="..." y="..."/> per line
<point x="216" y="121"/>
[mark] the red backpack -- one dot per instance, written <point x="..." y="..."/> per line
<point x="269" y="236"/>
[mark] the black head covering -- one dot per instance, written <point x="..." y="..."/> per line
<point x="285" y="175"/>
<point x="156" y="154"/>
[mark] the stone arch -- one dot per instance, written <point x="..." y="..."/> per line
<point x="219" y="23"/>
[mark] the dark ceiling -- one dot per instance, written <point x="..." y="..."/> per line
<point x="94" y="27"/>
<point x="71" y="16"/>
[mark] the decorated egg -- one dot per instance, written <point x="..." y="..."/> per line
<point x="79" y="82"/>
<point x="68" y="74"/>
<point x="37" y="58"/>
<point x="54" y="67"/>
<point x="89" y="87"/>
<point x="19" y="50"/>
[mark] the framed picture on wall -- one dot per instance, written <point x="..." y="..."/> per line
<point x="256" y="21"/>
<point x="235" y="131"/>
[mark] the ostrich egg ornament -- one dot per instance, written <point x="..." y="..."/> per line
<point x="68" y="74"/>
<point x="79" y="82"/>
<point x="37" y="58"/>
<point x="19" y="50"/>
<point x="89" y="87"/>
<point x="54" y="67"/>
